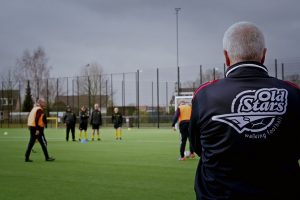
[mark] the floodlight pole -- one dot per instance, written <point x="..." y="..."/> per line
<point x="178" y="71"/>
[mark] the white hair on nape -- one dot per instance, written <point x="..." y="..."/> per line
<point x="41" y="100"/>
<point x="244" y="41"/>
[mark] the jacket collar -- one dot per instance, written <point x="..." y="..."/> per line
<point x="249" y="64"/>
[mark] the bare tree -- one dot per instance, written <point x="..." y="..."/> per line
<point x="55" y="89"/>
<point x="33" y="66"/>
<point x="8" y="81"/>
<point x="93" y="82"/>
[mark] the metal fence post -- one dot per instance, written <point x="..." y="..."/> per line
<point x="38" y="89"/>
<point x="152" y="102"/>
<point x="20" y="105"/>
<point x="123" y="94"/>
<point x="167" y="99"/>
<point x="89" y="93"/>
<point x="111" y="92"/>
<point x="157" y="79"/>
<point x="100" y="85"/>
<point x="201" y="80"/>
<point x="56" y="97"/>
<point x="106" y="96"/>
<point x="138" y="97"/>
<point x="78" y="105"/>
<point x="178" y="80"/>
<point x="67" y="91"/>
<point x="276" y="68"/>
<point x="73" y="93"/>
<point x="282" y="71"/>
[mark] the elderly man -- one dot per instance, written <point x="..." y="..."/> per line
<point x="245" y="126"/>
<point x="36" y="124"/>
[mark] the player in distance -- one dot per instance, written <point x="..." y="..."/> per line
<point x="182" y="116"/>
<point x="117" y="120"/>
<point x="83" y="123"/>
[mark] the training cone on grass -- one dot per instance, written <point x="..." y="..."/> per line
<point x="83" y="141"/>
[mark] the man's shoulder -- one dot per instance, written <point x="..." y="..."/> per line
<point x="293" y="85"/>
<point x="205" y="86"/>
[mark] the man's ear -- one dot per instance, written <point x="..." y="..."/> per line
<point x="227" y="59"/>
<point x="264" y="56"/>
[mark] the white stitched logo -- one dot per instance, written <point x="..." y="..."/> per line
<point x="255" y="110"/>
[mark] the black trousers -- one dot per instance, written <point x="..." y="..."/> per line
<point x="41" y="138"/>
<point x="184" y="131"/>
<point x="70" y="127"/>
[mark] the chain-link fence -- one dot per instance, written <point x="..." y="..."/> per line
<point x="145" y="97"/>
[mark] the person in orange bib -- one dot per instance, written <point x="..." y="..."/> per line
<point x="182" y="116"/>
<point x="36" y="125"/>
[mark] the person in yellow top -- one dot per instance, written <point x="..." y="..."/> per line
<point x="36" y="124"/>
<point x="182" y="116"/>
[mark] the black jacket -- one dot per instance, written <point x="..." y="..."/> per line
<point x="117" y="119"/>
<point x="69" y="118"/>
<point x="246" y="129"/>
<point x="96" y="118"/>
<point x="83" y="117"/>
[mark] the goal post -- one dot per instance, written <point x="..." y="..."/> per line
<point x="55" y="119"/>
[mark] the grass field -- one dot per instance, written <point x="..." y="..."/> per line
<point x="143" y="165"/>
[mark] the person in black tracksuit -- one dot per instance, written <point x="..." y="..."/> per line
<point x="246" y="126"/>
<point x="117" y="120"/>
<point x="83" y="122"/>
<point x="96" y="121"/>
<point x="69" y="120"/>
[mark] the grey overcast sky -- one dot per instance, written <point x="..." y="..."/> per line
<point x="124" y="35"/>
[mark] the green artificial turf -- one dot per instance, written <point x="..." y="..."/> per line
<point x="144" y="165"/>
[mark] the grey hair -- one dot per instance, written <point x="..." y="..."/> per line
<point x="41" y="100"/>
<point x="244" y="41"/>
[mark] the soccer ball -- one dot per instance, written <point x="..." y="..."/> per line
<point x="5" y="133"/>
<point x="187" y="154"/>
